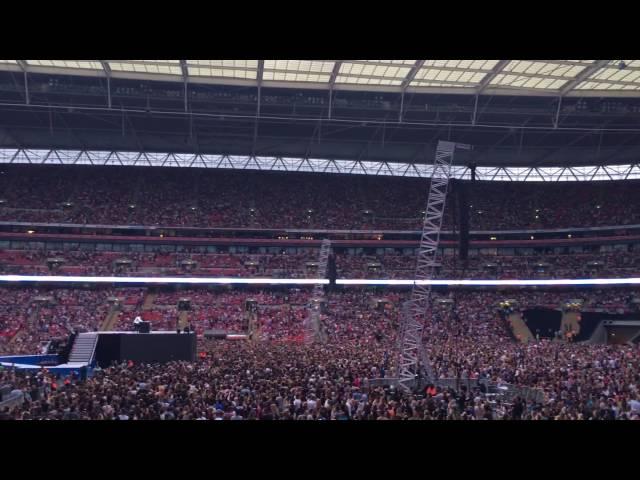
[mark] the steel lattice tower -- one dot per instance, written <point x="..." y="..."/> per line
<point x="412" y="359"/>
<point x="313" y="328"/>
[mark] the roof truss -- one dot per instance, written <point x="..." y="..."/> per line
<point x="314" y="165"/>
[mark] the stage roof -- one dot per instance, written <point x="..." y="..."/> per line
<point x="578" y="78"/>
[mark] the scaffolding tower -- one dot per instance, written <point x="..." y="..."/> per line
<point x="313" y="329"/>
<point x="412" y="363"/>
<point x="252" y="322"/>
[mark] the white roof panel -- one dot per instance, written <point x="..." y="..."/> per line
<point x="166" y="67"/>
<point x="462" y="64"/>
<point x="317" y="71"/>
<point x="80" y="64"/>
<point x="548" y="75"/>
<point x="452" y="73"/>
<point x="250" y="64"/>
<point x="510" y="77"/>
<point x="374" y="72"/>
<point x="612" y="77"/>
<point x="222" y="73"/>
<point x="368" y="80"/>
<point x="243" y="69"/>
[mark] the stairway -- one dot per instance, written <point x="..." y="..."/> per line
<point x="17" y="335"/>
<point x="253" y="327"/>
<point x="520" y="329"/>
<point x="84" y="348"/>
<point x="313" y="328"/>
<point x="183" y="319"/>
<point x="32" y="320"/>
<point x="570" y="321"/>
<point x="148" y="301"/>
<point x="110" y="321"/>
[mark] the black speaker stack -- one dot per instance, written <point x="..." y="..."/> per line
<point x="463" y="218"/>
<point x="332" y="271"/>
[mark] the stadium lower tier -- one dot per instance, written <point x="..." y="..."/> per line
<point x="470" y="335"/>
<point x="392" y="264"/>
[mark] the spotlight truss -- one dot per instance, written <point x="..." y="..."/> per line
<point x="412" y="361"/>
<point x="313" y="329"/>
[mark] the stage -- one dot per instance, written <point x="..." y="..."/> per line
<point x="38" y="362"/>
<point x="153" y="347"/>
<point x="114" y="347"/>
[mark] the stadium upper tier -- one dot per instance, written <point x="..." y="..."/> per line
<point x="217" y="198"/>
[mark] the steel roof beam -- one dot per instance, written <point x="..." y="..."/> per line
<point x="405" y="83"/>
<point x="411" y="75"/>
<point x="583" y="75"/>
<point x="332" y="83"/>
<point x="107" y="72"/>
<point x="259" y="76"/>
<point x="334" y="73"/>
<point x="185" y="81"/>
<point x="495" y="71"/>
<point x="185" y="70"/>
<point x="614" y="83"/>
<point x="25" y="69"/>
<point x="106" y="68"/>
<point x="260" y="72"/>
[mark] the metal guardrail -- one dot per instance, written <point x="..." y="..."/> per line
<point x="505" y="391"/>
<point x="12" y="401"/>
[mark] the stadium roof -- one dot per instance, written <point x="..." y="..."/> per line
<point x="488" y="77"/>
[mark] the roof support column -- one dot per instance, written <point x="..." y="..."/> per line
<point x="259" y="77"/>
<point x="107" y="72"/>
<point x="557" y="117"/>
<point x="332" y="82"/>
<point x="23" y="65"/>
<point x="411" y="74"/>
<point x="26" y="89"/>
<point x="475" y="111"/>
<point x="109" y="92"/>
<point x="185" y="80"/>
<point x="186" y="93"/>
<point x="259" y="101"/>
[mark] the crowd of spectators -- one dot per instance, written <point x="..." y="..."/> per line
<point x="141" y="196"/>
<point x="30" y="317"/>
<point x="304" y="264"/>
<point x="277" y="375"/>
<point x="282" y="380"/>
